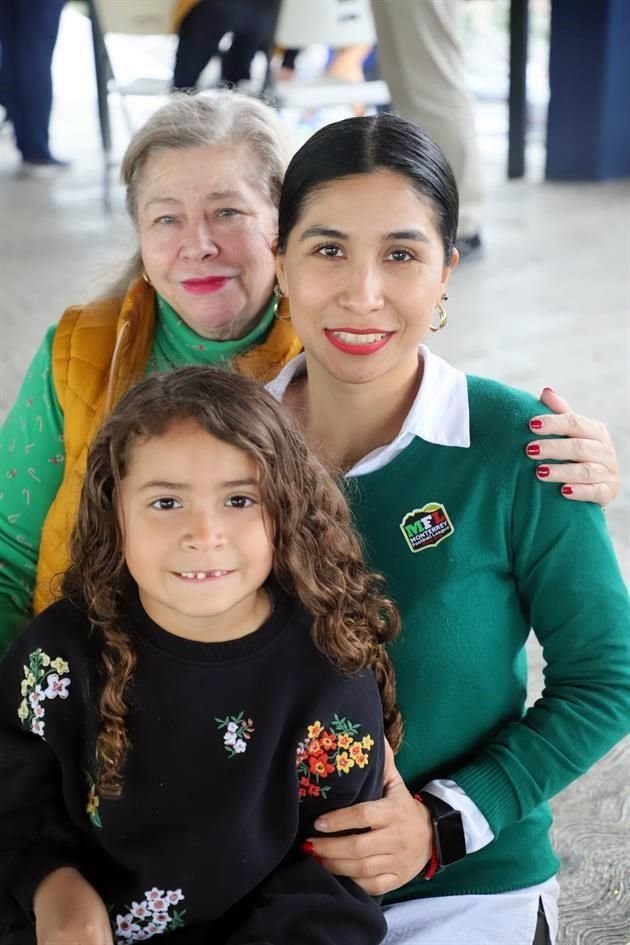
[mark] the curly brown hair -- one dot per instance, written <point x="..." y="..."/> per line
<point x="317" y="556"/>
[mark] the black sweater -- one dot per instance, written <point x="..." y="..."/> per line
<point x="236" y="748"/>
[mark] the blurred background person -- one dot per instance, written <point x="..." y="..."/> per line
<point x="28" y="33"/>
<point x="421" y="59"/>
<point x="202" y="24"/>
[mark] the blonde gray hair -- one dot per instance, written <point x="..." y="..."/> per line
<point x="223" y="119"/>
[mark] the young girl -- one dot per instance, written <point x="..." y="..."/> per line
<point x="214" y="679"/>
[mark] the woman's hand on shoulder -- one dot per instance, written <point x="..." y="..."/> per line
<point x="68" y="910"/>
<point x="392" y="851"/>
<point x="587" y="466"/>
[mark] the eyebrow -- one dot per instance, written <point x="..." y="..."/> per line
<point x="212" y="195"/>
<point x="324" y="231"/>
<point x="228" y="484"/>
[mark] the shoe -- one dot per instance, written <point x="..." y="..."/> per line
<point x="470" y="247"/>
<point x="42" y="168"/>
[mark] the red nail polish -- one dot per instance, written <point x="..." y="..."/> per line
<point x="307" y="847"/>
<point x="542" y="472"/>
<point x="536" y="424"/>
<point x="533" y="449"/>
<point x="566" y="490"/>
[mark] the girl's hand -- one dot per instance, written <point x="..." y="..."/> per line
<point x="395" y="849"/>
<point x="588" y="470"/>
<point x="69" y="911"/>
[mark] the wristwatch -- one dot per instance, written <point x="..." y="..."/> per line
<point x="449" y="843"/>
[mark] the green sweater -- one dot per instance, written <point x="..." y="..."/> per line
<point x="32" y="453"/>
<point x="495" y="555"/>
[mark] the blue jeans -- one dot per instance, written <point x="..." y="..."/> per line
<point x="28" y="33"/>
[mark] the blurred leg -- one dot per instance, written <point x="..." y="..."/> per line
<point x="34" y="38"/>
<point x="421" y="60"/>
<point x="199" y="37"/>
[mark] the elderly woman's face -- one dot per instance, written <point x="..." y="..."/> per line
<point x="206" y="235"/>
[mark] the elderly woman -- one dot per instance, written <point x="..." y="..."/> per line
<point x="203" y="180"/>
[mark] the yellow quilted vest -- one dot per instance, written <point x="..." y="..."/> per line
<point x="98" y="352"/>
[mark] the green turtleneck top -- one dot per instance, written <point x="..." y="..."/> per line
<point x="32" y="452"/>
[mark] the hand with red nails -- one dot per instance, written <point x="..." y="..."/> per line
<point x="586" y="462"/>
<point x="393" y="851"/>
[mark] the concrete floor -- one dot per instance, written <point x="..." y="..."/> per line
<point x="548" y="305"/>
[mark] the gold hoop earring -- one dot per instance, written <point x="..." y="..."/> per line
<point x="146" y="278"/>
<point x="443" y="318"/>
<point x="279" y="294"/>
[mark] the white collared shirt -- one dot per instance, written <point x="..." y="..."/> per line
<point x="440" y="415"/>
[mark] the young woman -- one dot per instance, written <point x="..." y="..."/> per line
<point x="210" y="684"/>
<point x="473" y="551"/>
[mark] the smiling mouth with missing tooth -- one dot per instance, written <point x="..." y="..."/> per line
<point x="200" y="575"/>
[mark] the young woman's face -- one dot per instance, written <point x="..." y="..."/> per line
<point x="197" y="542"/>
<point x="206" y="235"/>
<point x="364" y="269"/>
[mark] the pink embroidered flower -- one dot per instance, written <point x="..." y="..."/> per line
<point x="161" y="919"/>
<point x="139" y="910"/>
<point x="174" y="896"/>
<point x="37" y="728"/>
<point x="125" y="926"/>
<point x="154" y="893"/>
<point x="57" y="687"/>
<point x="157" y="905"/>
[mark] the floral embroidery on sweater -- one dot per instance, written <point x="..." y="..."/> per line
<point x="43" y="679"/>
<point x="238" y="733"/>
<point x="93" y="801"/>
<point x="152" y="916"/>
<point x="326" y="750"/>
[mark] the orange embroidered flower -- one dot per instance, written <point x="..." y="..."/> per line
<point x="328" y="741"/>
<point x="361" y="760"/>
<point x="356" y="750"/>
<point x="314" y="747"/>
<point x="344" y="741"/>
<point x="314" y="790"/>
<point x="320" y="766"/>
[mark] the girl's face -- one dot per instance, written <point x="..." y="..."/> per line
<point x="206" y="234"/>
<point x="364" y="269"/>
<point x="197" y="542"/>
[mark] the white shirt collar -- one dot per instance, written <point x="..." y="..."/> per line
<point x="439" y="413"/>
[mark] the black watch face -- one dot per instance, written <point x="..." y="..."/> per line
<point x="449" y="838"/>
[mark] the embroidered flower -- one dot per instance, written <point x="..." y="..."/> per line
<point x="125" y="926"/>
<point x="155" y="915"/>
<point x="139" y="910"/>
<point x="327" y="750"/>
<point x="153" y="894"/>
<point x="93" y="801"/>
<point x="344" y="762"/>
<point x="57" y="687"/>
<point x="39" y="684"/>
<point x="238" y="732"/>
<point x="314" y="729"/>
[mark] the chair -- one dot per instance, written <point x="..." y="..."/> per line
<point x="148" y="17"/>
<point x="332" y="23"/>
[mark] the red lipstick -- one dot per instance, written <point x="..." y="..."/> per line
<point x="380" y="339"/>
<point x="205" y="286"/>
